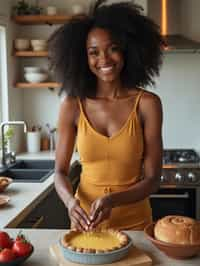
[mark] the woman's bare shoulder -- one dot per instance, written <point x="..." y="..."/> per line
<point x="150" y="106"/>
<point x="69" y="102"/>
<point x="69" y="108"/>
<point x="149" y="98"/>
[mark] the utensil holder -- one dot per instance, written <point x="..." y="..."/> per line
<point x="33" y="141"/>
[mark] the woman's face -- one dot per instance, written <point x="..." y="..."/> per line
<point x="105" y="57"/>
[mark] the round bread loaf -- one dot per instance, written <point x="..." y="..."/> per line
<point x="177" y="230"/>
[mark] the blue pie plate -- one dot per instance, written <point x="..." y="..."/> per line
<point x="100" y="258"/>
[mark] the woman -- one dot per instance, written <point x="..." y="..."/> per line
<point x="103" y="59"/>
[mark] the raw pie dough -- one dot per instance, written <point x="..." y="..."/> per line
<point x="94" y="241"/>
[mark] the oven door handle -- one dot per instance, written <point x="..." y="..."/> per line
<point x="170" y="196"/>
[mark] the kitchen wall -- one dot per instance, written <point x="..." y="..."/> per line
<point x="178" y="86"/>
<point x="179" y="89"/>
<point x="190" y="18"/>
<point x="14" y="108"/>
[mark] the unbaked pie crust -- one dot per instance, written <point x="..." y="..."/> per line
<point x="96" y="241"/>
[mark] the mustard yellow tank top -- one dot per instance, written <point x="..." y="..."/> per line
<point x="111" y="164"/>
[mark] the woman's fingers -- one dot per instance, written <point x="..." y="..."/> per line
<point x="77" y="215"/>
<point x="83" y="217"/>
<point x="97" y="220"/>
<point x="76" y="224"/>
<point x="100" y="210"/>
<point x="79" y="219"/>
<point x="95" y="209"/>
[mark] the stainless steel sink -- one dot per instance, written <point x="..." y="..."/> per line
<point x="33" y="164"/>
<point x="29" y="170"/>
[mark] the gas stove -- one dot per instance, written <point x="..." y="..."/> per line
<point x="181" y="168"/>
<point x="179" y="156"/>
<point x="179" y="192"/>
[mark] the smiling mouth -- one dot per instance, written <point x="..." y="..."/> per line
<point x="106" y="69"/>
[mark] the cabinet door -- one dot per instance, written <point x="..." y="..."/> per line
<point x="51" y="212"/>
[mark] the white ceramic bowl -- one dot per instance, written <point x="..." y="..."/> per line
<point x="39" y="47"/>
<point x="38" y="42"/>
<point x="33" y="70"/>
<point x="35" y="77"/>
<point x="22" y="44"/>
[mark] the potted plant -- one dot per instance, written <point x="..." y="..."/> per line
<point x="8" y="135"/>
<point x="23" y="8"/>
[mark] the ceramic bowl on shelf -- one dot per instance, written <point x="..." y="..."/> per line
<point x="33" y="69"/>
<point x="21" y="44"/>
<point x="51" y="10"/>
<point x="77" y="9"/>
<point x="176" y="251"/>
<point x="35" y="77"/>
<point x="38" y="42"/>
<point x="39" y="47"/>
<point x="4" y="182"/>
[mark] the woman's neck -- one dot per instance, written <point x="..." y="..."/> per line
<point x="110" y="90"/>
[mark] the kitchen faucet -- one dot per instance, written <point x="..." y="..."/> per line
<point x="9" y="155"/>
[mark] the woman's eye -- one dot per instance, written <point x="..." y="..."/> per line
<point x="93" y="53"/>
<point x="115" y="48"/>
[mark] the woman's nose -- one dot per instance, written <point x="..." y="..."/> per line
<point x="103" y="57"/>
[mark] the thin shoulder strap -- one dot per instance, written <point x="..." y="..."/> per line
<point x="80" y="105"/>
<point x="138" y="99"/>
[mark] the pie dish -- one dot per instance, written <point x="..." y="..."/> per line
<point x="96" y="241"/>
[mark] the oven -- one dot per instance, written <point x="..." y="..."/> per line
<point x="170" y="201"/>
<point x="179" y="192"/>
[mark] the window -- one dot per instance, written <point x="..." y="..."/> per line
<point x="3" y="73"/>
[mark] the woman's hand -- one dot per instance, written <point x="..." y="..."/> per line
<point x="77" y="215"/>
<point x="100" y="210"/>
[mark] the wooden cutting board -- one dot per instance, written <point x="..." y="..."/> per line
<point x="135" y="257"/>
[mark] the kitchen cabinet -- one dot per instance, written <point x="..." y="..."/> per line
<point x="51" y="212"/>
<point x="37" y="20"/>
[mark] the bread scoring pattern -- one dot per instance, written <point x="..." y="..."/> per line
<point x="177" y="230"/>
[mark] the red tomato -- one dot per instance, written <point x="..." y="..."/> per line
<point x="6" y="255"/>
<point x="20" y="236"/>
<point x="22" y="248"/>
<point x="5" y="240"/>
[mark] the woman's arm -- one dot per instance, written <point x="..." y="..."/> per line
<point x="64" y="150"/>
<point x="150" y="113"/>
<point x="150" y="110"/>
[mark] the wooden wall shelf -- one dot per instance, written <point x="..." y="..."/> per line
<point x="31" y="53"/>
<point x="41" y="19"/>
<point x="26" y="85"/>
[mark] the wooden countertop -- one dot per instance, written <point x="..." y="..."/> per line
<point x="42" y="239"/>
<point x="25" y="196"/>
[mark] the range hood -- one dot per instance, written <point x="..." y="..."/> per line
<point x="180" y="43"/>
<point x="174" y="18"/>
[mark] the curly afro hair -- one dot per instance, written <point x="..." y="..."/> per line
<point x="138" y="36"/>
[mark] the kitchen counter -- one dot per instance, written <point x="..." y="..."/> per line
<point x="42" y="239"/>
<point x="24" y="197"/>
